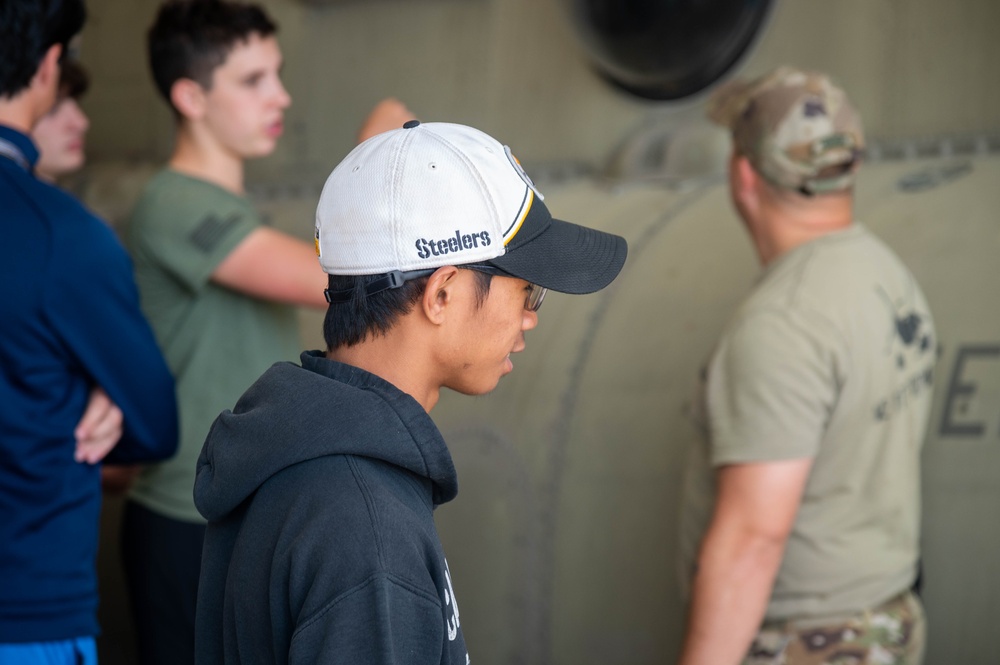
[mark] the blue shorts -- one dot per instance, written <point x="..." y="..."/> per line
<point x="78" y="651"/>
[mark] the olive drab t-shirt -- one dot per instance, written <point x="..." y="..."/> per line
<point x="829" y="358"/>
<point x="217" y="341"/>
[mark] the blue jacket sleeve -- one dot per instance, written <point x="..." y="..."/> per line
<point x="93" y="301"/>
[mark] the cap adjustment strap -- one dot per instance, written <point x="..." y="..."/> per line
<point x="390" y="280"/>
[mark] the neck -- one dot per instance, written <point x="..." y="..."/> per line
<point x="18" y="113"/>
<point x="207" y="161"/>
<point x="396" y="358"/>
<point x="788" y="222"/>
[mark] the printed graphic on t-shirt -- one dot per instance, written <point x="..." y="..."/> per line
<point x="211" y="230"/>
<point x="908" y="329"/>
<point x="911" y="344"/>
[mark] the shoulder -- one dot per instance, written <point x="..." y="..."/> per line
<point x="169" y="198"/>
<point x="812" y="293"/>
<point x="829" y="271"/>
<point x="769" y="335"/>
<point x="79" y="239"/>
<point x="378" y="502"/>
<point x="775" y="356"/>
<point x="26" y="196"/>
<point x="48" y="231"/>
<point x="370" y="502"/>
<point x="340" y="520"/>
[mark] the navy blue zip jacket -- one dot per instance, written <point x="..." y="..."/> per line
<point x="319" y="489"/>
<point x="69" y="321"/>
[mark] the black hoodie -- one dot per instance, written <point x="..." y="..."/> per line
<point x="319" y="489"/>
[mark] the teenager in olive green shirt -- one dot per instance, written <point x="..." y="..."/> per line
<point x="218" y="286"/>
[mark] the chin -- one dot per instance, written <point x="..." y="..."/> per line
<point x="264" y="151"/>
<point x="253" y="149"/>
<point x="483" y="388"/>
<point x="255" y="153"/>
<point x="269" y="143"/>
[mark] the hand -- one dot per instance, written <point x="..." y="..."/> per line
<point x="99" y="429"/>
<point x="390" y="113"/>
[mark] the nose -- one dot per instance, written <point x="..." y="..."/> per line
<point x="529" y="320"/>
<point x="282" y="99"/>
<point x="79" y="118"/>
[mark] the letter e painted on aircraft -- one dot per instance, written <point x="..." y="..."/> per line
<point x="959" y="387"/>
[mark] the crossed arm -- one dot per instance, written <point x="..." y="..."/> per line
<point x="99" y="429"/>
<point x="96" y="434"/>
<point x="755" y="508"/>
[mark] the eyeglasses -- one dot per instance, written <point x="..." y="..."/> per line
<point x="396" y="278"/>
<point x="533" y="301"/>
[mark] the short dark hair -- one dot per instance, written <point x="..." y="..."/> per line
<point x="191" y="38"/>
<point x="73" y="80"/>
<point x="352" y="322"/>
<point x="28" y="29"/>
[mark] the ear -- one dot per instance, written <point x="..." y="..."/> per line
<point x="745" y="183"/>
<point x="188" y="97"/>
<point x="439" y="294"/>
<point x="745" y="176"/>
<point x="47" y="74"/>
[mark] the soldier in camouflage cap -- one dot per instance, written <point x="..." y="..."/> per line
<point x="801" y="522"/>
<point x="797" y="129"/>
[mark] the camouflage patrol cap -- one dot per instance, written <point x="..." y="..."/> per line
<point x="797" y="129"/>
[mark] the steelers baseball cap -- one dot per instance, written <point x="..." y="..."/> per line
<point x="434" y="194"/>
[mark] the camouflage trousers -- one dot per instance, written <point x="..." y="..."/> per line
<point x="891" y="634"/>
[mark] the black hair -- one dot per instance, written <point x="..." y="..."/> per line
<point x="28" y="29"/>
<point x="191" y="38"/>
<point x="73" y="80"/>
<point x="362" y="317"/>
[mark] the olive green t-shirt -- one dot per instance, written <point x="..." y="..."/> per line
<point x="830" y="358"/>
<point x="217" y="341"/>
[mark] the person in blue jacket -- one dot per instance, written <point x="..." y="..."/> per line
<point x="79" y="366"/>
<point x="319" y="486"/>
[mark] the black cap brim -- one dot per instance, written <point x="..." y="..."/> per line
<point x="562" y="256"/>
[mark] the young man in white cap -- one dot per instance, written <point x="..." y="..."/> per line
<point x="319" y="486"/>
<point x="802" y="508"/>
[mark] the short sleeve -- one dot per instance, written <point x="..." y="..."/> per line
<point x="772" y="386"/>
<point x="187" y="228"/>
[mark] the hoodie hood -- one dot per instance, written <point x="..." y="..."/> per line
<point x="293" y="414"/>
